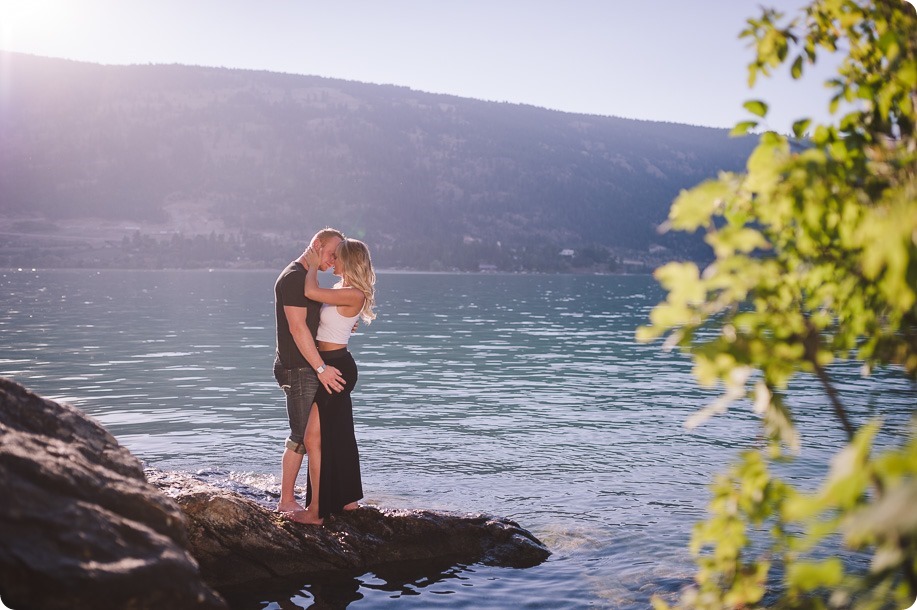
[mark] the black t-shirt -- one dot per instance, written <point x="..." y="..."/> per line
<point x="289" y="290"/>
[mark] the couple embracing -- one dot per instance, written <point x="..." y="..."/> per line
<point x="317" y="373"/>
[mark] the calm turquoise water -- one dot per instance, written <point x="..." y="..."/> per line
<point x="523" y="396"/>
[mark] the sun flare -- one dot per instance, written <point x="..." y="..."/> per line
<point x="34" y="26"/>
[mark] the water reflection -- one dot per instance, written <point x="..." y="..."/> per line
<point x="333" y="592"/>
<point x="438" y="577"/>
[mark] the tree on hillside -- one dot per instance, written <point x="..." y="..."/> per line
<point x="816" y="262"/>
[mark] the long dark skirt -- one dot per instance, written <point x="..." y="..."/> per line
<point x="340" y="482"/>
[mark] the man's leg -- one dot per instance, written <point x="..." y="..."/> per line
<point x="299" y="395"/>
<point x="289" y="471"/>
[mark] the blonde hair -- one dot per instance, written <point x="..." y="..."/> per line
<point x="359" y="274"/>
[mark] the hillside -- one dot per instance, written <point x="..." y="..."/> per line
<point x="246" y="160"/>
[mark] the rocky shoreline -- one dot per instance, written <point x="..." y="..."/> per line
<point x="83" y="526"/>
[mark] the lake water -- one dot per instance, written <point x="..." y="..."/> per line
<point x="517" y="395"/>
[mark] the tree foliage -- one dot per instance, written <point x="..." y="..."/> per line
<point x="816" y="261"/>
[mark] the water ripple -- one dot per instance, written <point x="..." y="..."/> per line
<point x="522" y="396"/>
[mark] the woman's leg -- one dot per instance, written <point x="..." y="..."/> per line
<point x="313" y="442"/>
<point x="351" y="488"/>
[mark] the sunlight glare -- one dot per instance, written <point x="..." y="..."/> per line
<point x="33" y="26"/>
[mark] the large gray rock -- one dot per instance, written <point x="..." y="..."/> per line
<point x="238" y="540"/>
<point x="80" y="527"/>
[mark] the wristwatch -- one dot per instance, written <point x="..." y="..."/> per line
<point x="320" y="369"/>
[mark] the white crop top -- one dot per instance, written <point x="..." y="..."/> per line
<point x="334" y="328"/>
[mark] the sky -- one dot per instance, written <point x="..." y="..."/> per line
<point x="661" y="60"/>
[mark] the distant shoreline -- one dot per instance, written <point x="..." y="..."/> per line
<point x="383" y="271"/>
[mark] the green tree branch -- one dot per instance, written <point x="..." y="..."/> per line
<point x="815" y="261"/>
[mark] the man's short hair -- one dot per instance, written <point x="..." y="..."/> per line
<point x="325" y="233"/>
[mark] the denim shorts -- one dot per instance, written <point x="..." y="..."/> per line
<point x="300" y="386"/>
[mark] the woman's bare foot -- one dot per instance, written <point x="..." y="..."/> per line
<point x="351" y="506"/>
<point x="306" y="516"/>
<point x="288" y="507"/>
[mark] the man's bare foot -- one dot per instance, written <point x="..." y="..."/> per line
<point x="351" y="506"/>
<point x="306" y="516"/>
<point x="288" y="507"/>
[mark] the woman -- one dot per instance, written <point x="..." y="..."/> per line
<point x="334" y="482"/>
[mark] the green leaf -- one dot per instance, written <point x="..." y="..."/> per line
<point x="645" y="334"/>
<point x="694" y="208"/>
<point x="907" y="73"/>
<point x="890" y="45"/>
<point x="865" y="92"/>
<point x="682" y="280"/>
<point x="838" y="151"/>
<point x="742" y="129"/>
<point x="800" y="127"/>
<point x="796" y="68"/>
<point x="742" y="239"/>
<point x="764" y="164"/>
<point x="890" y="517"/>
<point x="822" y="135"/>
<point x="668" y="316"/>
<point x="756" y="107"/>
<point x="752" y="75"/>
<point x="807" y="576"/>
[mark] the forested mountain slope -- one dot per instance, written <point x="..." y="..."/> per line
<point x="423" y="177"/>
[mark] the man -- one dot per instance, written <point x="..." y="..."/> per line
<point x="298" y="367"/>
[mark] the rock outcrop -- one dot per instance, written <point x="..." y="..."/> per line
<point x="80" y="526"/>
<point x="237" y="540"/>
<point x="83" y="526"/>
